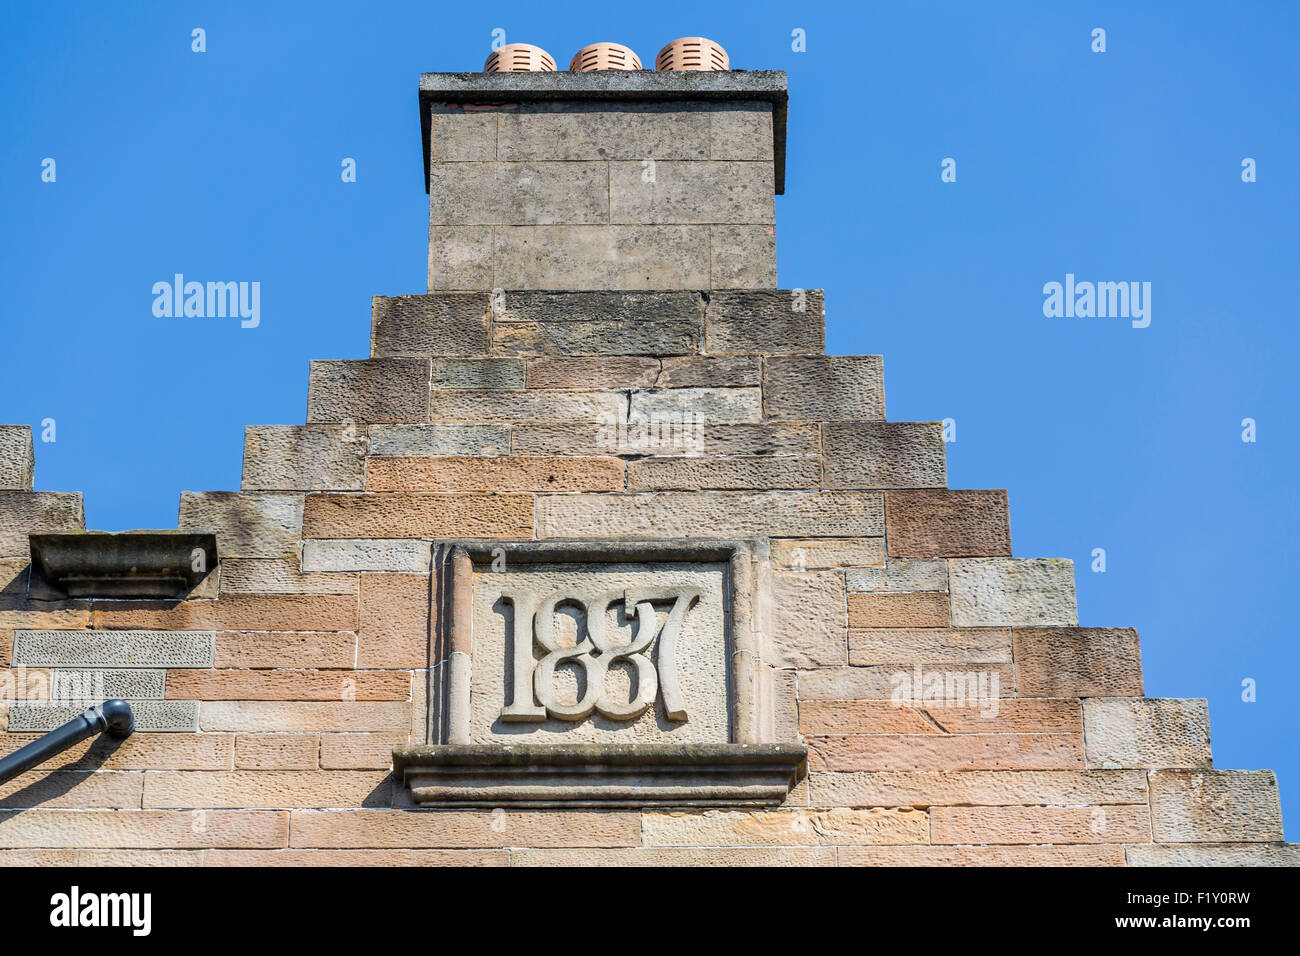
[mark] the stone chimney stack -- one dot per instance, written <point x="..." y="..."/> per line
<point x="612" y="180"/>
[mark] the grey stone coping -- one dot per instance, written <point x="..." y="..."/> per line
<point x="600" y="775"/>
<point x="643" y="86"/>
<point x="123" y="564"/>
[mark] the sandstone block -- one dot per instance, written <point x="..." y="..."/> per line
<point x="724" y="474"/>
<point x="22" y="512"/>
<point x="742" y="256"/>
<point x="266" y="789"/>
<point x="696" y="191"/>
<point x="534" y="403"/>
<point x="359" y="751"/>
<point x="947" y="752"/>
<point x="704" y="405"/>
<point x="807" y="619"/>
<point x="590" y="438"/>
<point x="766" y="322"/>
<point x="919" y="609"/>
<point x="266" y="716"/>
<point x="888" y="681"/>
<point x="419" y="516"/>
<point x="288" y="685"/>
<point x="248" y="524"/>
<point x="276" y="751"/>
<point x="233" y="612"/>
<point x="784" y="827"/>
<point x="592" y="372"/>
<point x="366" y="554"/>
<point x="144" y="829"/>
<point x="1078" y="661"/>
<point x="979" y="788"/>
<point x="441" y="438"/>
<point x="1215" y="854"/>
<point x="460" y="258"/>
<point x="17" y="459"/>
<point x="1147" y="732"/>
<point x="1215" y="806"/>
<point x="884" y="455"/>
<point x="369" y="390"/>
<point x="616" y="257"/>
<point x="906" y="645"/>
<point x="397" y="621"/>
<point x="495" y="474"/>
<point x="448" y="324"/>
<point x="950" y="856"/>
<point x="710" y="371"/>
<point x="947" y="524"/>
<point x="998" y="591"/>
<point x="266" y="649"/>
<point x="527" y="193"/>
<point x="824" y="388"/>
<point x="304" y="457"/>
<point x="801" y="553"/>
<point x="1003" y="825"/>
<point x="901" y="574"/>
<point x="463" y="828"/>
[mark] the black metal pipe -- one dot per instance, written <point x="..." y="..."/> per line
<point x="112" y="717"/>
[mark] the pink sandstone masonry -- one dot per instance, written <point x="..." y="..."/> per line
<point x="655" y="384"/>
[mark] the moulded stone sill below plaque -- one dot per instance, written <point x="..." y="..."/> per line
<point x="123" y="564"/>
<point x="600" y="775"/>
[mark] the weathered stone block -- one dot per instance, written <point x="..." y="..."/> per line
<point x="460" y="258"/>
<point x="601" y="257"/>
<point x="1147" y="732"/>
<point x="742" y="257"/>
<point x="367" y="554"/>
<point x="398" y="617"/>
<point x="954" y="856"/>
<point x="283" y="684"/>
<point x="304" y="457"/>
<point x="708" y="371"/>
<point x="280" y="576"/>
<point x="526" y="305"/>
<point x="901" y="574"/>
<point x="643" y="337"/>
<point x="588" y="373"/>
<point x="1215" y="854"/>
<point x="266" y="789"/>
<point x="1078" y="662"/>
<point x="1215" y="806"/>
<point x="824" y="388"/>
<point x="528" y="193"/>
<point x="326" y="649"/>
<point x="462" y="828"/>
<point x="884" y="455"/>
<point x="738" y="473"/>
<point x="948" y="524"/>
<point x="886" y="682"/>
<point x="276" y="751"/>
<point x="143" y="829"/>
<point x="17" y="459"/>
<point x="153" y="716"/>
<point x="946" y="752"/>
<point x="462" y="136"/>
<point x="803" y="553"/>
<point x="808" y="624"/>
<point x="765" y="321"/>
<point x="446" y="324"/>
<point x="591" y="438"/>
<point x="896" y="717"/>
<point x="533" y="403"/>
<point x="103" y="685"/>
<point x="785" y="827"/>
<point x="997" y="591"/>
<point x="906" y="645"/>
<point x="708" y="514"/>
<point x="441" y="438"/>
<point x="127" y="648"/>
<point x="703" y="405"/>
<point x="1002" y="825"/>
<point x="880" y="609"/>
<point x="740" y="131"/>
<point x="369" y="390"/>
<point x="495" y="474"/>
<point x="248" y="524"/>
<point x="294" y="716"/>
<point x="22" y="512"/>
<point x="605" y="131"/>
<point x="419" y="516"/>
<point x="979" y="788"/>
<point x="698" y="191"/>
<point x="233" y="612"/>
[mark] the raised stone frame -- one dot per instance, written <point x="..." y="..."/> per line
<point x="751" y="768"/>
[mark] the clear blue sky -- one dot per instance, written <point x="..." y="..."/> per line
<point x="1123" y="165"/>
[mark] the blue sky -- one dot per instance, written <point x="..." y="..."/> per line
<point x="1115" y="166"/>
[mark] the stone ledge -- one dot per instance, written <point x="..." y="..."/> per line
<point x="125" y="564"/>
<point x="600" y="775"/>
<point x="644" y="86"/>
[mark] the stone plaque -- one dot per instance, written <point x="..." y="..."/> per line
<point x="629" y="652"/>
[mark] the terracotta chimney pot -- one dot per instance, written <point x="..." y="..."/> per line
<point x="519" y="58"/>
<point x="604" y="56"/>
<point x="692" y="53"/>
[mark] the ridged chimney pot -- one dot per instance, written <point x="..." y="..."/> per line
<point x="692" y="53"/>
<point x="519" y="58"/>
<point x="604" y="56"/>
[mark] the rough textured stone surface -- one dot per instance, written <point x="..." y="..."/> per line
<point x="766" y="322"/>
<point x="801" y="553"/>
<point x="824" y="388"/>
<point x="604" y="131"/>
<point x="705" y="371"/>
<point x="280" y="576"/>
<point x="740" y="473"/>
<point x="126" y="684"/>
<point x="327" y="649"/>
<point x="233" y="612"/>
<point x="367" y="554"/>
<point x="598" y="338"/>
<point x="469" y="406"/>
<point x="950" y="856"/>
<point x="447" y="324"/>
<point x="22" y="512"/>
<point x="947" y="524"/>
<point x="979" y="787"/>
<point x="287" y="684"/>
<point x="359" y="751"/>
<point x="708" y="514"/>
<point x="884" y="455"/>
<point x="697" y="191"/>
<point x="807" y="619"/>
<point x="947" y="752"/>
<point x="397" y="621"/>
<point x="143" y="828"/>
<point x="266" y="789"/>
<point x="274" y="716"/>
<point x="1147" y="732"/>
<point x="495" y="474"/>
<point x="618" y="257"/>
<point x="1078" y="662"/>
<point x="441" y="438"/>
<point x="538" y="306"/>
<point x="369" y="390"/>
<point x="891" y="717"/>
<point x="742" y="257"/>
<point x="906" y="645"/>
<point x="463" y="828"/>
<point x="77" y="791"/>
<point x="705" y="405"/>
<point x="1211" y="854"/>
<point x="492" y="193"/>
<point x="477" y="373"/>
<point x="132" y="648"/>
<point x="304" y="457"/>
<point x="418" y="516"/>
<point x="592" y="372"/>
<point x="1003" y="825"/>
<point x="921" y="609"/>
<point x="677" y="856"/>
<point x="784" y="827"/>
<point x="140" y="752"/>
<point x="994" y="591"/>
<point x="150" y="715"/>
<point x="590" y="438"/>
<point x="17" y="459"/>
<point x="1215" y="806"/>
<point x="901" y="575"/>
<point x="881" y="682"/>
<point x="248" y="524"/>
<point x="276" y="751"/>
